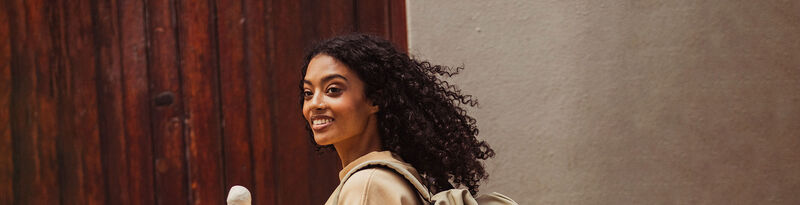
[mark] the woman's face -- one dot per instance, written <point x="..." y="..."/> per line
<point x="334" y="103"/>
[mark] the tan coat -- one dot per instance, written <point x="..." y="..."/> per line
<point x="377" y="185"/>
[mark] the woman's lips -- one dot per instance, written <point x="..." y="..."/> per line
<point x="321" y="124"/>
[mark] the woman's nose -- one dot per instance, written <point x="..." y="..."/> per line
<point x="317" y="102"/>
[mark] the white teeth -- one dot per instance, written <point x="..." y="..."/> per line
<point x="322" y="121"/>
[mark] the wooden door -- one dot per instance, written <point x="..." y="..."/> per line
<point x="166" y="102"/>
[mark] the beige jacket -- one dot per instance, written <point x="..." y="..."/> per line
<point x="377" y="185"/>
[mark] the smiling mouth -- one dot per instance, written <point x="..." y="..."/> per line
<point x="320" y="124"/>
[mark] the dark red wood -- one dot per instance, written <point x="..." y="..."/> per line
<point x="234" y="92"/>
<point x="397" y="24"/>
<point x="335" y="17"/>
<point x="82" y="171"/>
<point x="372" y="16"/>
<point x="110" y="102"/>
<point x="166" y="102"/>
<point x="135" y="103"/>
<point x="198" y="63"/>
<point x="258" y="82"/>
<point x="325" y="168"/>
<point x="6" y="148"/>
<point x="290" y="144"/>
<point x="171" y="176"/>
<point x="32" y="107"/>
<point x="70" y="175"/>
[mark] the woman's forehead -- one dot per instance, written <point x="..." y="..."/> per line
<point x="322" y="67"/>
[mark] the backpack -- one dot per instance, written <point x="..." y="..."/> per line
<point x="449" y="197"/>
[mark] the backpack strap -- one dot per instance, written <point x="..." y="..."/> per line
<point x="398" y="168"/>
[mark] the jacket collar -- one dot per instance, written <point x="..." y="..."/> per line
<point x="378" y="155"/>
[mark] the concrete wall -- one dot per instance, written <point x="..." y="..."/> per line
<point x="628" y="102"/>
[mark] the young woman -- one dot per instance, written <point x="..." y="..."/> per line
<point x="368" y="101"/>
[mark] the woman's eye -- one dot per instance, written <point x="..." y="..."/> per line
<point x="307" y="94"/>
<point x="334" y="90"/>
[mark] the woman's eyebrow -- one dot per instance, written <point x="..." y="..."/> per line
<point x="326" y="79"/>
<point x="332" y="76"/>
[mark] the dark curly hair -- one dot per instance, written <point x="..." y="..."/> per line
<point x="420" y="116"/>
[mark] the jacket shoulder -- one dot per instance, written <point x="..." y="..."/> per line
<point x="378" y="185"/>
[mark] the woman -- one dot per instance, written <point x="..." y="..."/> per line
<point x="369" y="101"/>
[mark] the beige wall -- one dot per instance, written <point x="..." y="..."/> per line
<point x="628" y="102"/>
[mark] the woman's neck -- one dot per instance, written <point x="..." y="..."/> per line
<point x="351" y="149"/>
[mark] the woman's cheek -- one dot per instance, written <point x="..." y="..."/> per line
<point x="305" y="112"/>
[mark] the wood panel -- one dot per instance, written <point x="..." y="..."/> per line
<point x="79" y="152"/>
<point x="232" y="67"/>
<point x="6" y="150"/>
<point x="166" y="102"/>
<point x="136" y="102"/>
<point x="288" y="32"/>
<point x="334" y="17"/>
<point x="257" y="52"/>
<point x="110" y="102"/>
<point x="372" y="15"/>
<point x="167" y="119"/>
<point x="198" y="65"/>
<point x="398" y="32"/>
<point x="33" y="103"/>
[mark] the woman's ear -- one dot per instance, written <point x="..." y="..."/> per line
<point x="373" y="108"/>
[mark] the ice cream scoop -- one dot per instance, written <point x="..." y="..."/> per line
<point x="238" y="195"/>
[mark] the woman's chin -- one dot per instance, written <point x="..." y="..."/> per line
<point x="323" y="140"/>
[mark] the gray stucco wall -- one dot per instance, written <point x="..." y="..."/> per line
<point x="627" y="102"/>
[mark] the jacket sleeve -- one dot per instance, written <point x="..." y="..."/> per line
<point x="377" y="186"/>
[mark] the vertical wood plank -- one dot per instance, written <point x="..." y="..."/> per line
<point x="70" y="176"/>
<point x="6" y="150"/>
<point x="171" y="178"/>
<point x="334" y="17"/>
<point x="133" y="49"/>
<point x="48" y="165"/>
<point x="34" y="149"/>
<point x="200" y="87"/>
<point x="372" y="16"/>
<point x="82" y="170"/>
<point x="290" y="144"/>
<point x="110" y="102"/>
<point x="257" y="68"/>
<point x="233" y="94"/>
<point x="397" y="24"/>
<point x="324" y="169"/>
